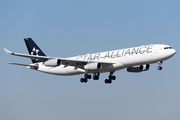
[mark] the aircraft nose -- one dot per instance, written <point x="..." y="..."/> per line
<point x="173" y="51"/>
<point x="170" y="53"/>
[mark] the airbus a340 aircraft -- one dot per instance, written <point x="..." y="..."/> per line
<point x="136" y="59"/>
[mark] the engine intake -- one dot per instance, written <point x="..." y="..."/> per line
<point x="52" y="62"/>
<point x="93" y="66"/>
<point x="138" y="68"/>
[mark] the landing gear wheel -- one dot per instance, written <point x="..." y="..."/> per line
<point x="112" y="77"/>
<point x="108" y="81"/>
<point x="83" y="80"/>
<point x="89" y="76"/>
<point x="96" y="77"/>
<point x="159" y="68"/>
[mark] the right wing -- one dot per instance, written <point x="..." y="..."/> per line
<point x="65" y="61"/>
<point x="25" y="55"/>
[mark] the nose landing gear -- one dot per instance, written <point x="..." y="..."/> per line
<point x="160" y="67"/>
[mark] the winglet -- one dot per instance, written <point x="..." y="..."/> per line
<point x="7" y="51"/>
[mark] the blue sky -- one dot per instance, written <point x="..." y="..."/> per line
<point x="69" y="28"/>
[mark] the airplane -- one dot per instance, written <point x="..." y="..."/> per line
<point x="135" y="59"/>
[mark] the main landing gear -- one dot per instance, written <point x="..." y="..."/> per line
<point x="160" y="67"/>
<point x="85" y="79"/>
<point x="96" y="77"/>
<point x="111" y="77"/>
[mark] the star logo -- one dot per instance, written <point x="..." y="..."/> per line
<point x="35" y="52"/>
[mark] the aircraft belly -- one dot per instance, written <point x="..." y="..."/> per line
<point x="113" y="67"/>
<point x="61" y="70"/>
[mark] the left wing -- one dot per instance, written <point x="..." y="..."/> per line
<point x="23" y="64"/>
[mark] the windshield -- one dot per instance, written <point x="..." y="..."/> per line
<point x="168" y="48"/>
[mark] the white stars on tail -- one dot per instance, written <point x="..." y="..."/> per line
<point x="35" y="52"/>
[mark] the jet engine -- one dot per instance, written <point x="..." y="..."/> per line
<point x="52" y="62"/>
<point x="138" y="68"/>
<point x="93" y="66"/>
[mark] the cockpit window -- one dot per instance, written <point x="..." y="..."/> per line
<point x="168" y="48"/>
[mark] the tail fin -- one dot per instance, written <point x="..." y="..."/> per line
<point x="34" y="50"/>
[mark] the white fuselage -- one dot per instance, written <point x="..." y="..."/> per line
<point x="123" y="58"/>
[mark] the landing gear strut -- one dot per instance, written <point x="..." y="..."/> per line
<point x="96" y="76"/>
<point x="160" y="67"/>
<point x="85" y="79"/>
<point x="111" y="77"/>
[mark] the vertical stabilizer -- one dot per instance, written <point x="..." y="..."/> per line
<point x="34" y="50"/>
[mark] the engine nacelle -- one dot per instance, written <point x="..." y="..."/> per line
<point x="138" y="68"/>
<point x="52" y="62"/>
<point x="93" y="66"/>
<point x="145" y="67"/>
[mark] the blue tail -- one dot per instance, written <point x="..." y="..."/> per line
<point x="34" y="50"/>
